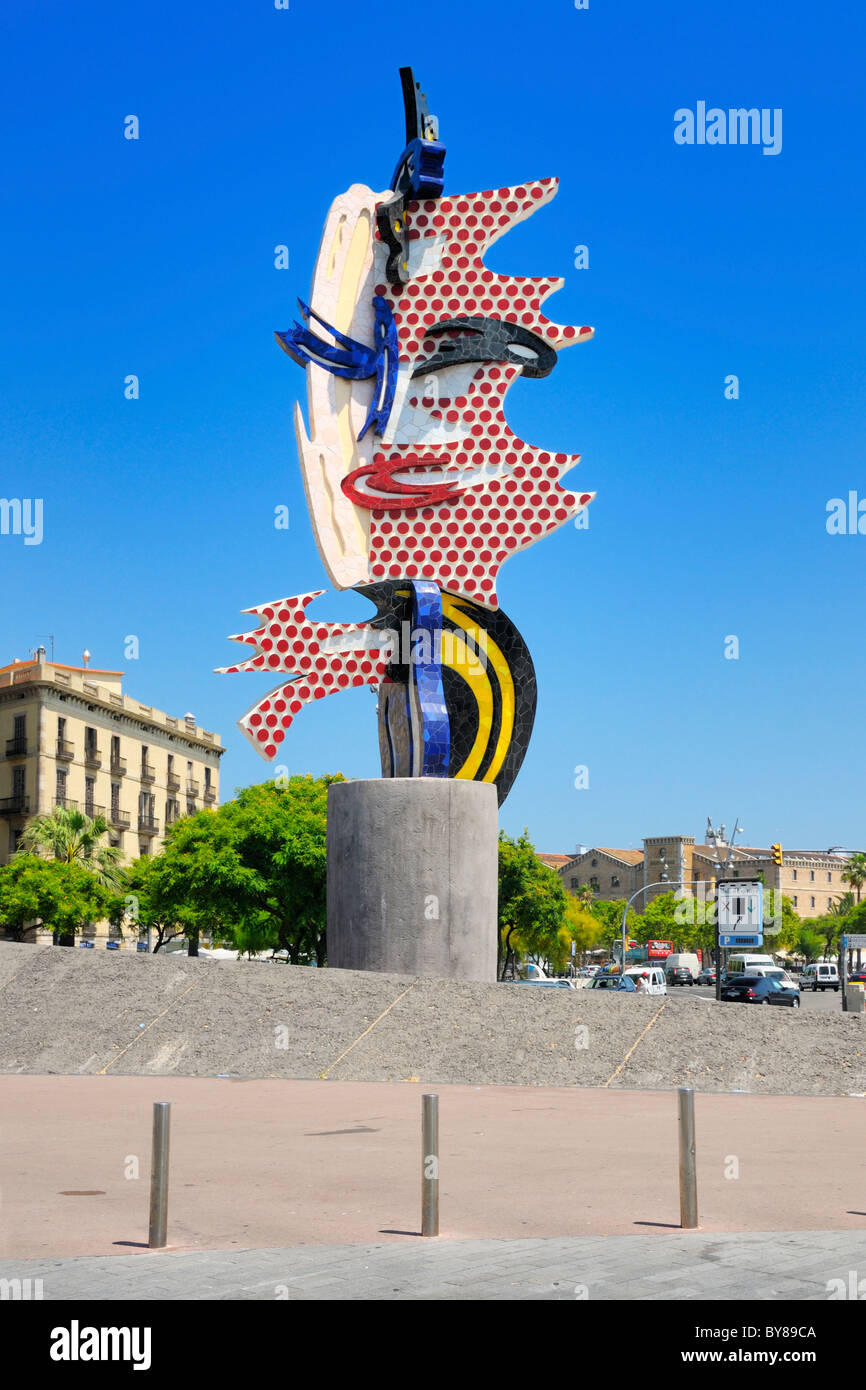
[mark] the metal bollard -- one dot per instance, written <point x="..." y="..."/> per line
<point x="429" y="1165"/>
<point x="159" y="1175"/>
<point x="688" y="1169"/>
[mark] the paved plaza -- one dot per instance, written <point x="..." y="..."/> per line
<point x="767" y="1266"/>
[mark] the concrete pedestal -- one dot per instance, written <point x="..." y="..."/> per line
<point x="413" y="877"/>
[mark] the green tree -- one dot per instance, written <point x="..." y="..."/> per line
<point x="62" y="896"/>
<point x="855" y="872"/>
<point x="74" y="838"/>
<point x="532" y="906"/>
<point x="144" y="905"/>
<point x="809" y="943"/>
<point x="609" y="915"/>
<point x="251" y="872"/>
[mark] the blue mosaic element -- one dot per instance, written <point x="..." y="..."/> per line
<point x="431" y="734"/>
<point x="350" y="358"/>
<point x="420" y="171"/>
<point x="387" y="362"/>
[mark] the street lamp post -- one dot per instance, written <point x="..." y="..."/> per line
<point x="660" y="883"/>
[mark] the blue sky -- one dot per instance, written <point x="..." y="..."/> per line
<point x="156" y="258"/>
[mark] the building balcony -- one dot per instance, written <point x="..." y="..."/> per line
<point x="148" y="772"/>
<point x="120" y="819"/>
<point x="91" y="810"/>
<point x="147" y="825"/>
<point x="65" y="803"/>
<point x="65" y="752"/>
<point x="210" y="794"/>
<point x="118" y="766"/>
<point x="16" y="747"/>
<point x="172" y="781"/>
<point x="92" y="755"/>
<point x="192" y="787"/>
<point x="15" y="805"/>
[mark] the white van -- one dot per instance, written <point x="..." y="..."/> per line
<point x="653" y="976"/>
<point x="749" y="965"/>
<point x="822" y="975"/>
<point x="679" y="960"/>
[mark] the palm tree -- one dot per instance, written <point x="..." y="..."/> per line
<point x="855" y="871"/>
<point x="74" y="838"/>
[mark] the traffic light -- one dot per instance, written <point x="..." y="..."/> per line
<point x="776" y="851"/>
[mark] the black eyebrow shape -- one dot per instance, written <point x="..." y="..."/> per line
<point x="489" y="340"/>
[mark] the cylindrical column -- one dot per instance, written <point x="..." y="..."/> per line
<point x="413" y="877"/>
<point x="688" y="1169"/>
<point x="429" y="1165"/>
<point x="159" y="1175"/>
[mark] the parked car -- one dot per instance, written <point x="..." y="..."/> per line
<point x="760" y="989"/>
<point x="821" y="975"/>
<point x="652" y="976"/>
<point x="613" y="982"/>
<point x="707" y="975"/>
<point x="547" y="984"/>
<point x="679" y="975"/>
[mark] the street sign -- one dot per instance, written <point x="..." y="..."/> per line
<point x="739" y="905"/>
<point x="729" y="939"/>
<point x="857" y="942"/>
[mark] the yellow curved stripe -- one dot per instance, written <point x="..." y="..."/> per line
<point x="484" y="643"/>
<point x="479" y="683"/>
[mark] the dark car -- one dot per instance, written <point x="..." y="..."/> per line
<point x="707" y="975"/>
<point x="760" y="989"/>
<point x="680" y="975"/>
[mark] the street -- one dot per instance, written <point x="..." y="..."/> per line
<point x="824" y="1001"/>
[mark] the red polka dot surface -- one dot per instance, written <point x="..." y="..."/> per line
<point x="463" y="477"/>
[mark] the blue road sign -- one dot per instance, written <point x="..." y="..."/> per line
<point x="729" y="939"/>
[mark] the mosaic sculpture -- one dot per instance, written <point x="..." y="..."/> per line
<point x="418" y="490"/>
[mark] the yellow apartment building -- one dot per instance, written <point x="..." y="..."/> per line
<point x="70" y="737"/>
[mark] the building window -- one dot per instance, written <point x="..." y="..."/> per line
<point x="829" y="903"/>
<point x="61" y="726"/>
<point x="811" y="902"/>
<point x="794" y="875"/>
<point x="18" y="774"/>
<point x="614" y="881"/>
<point x="115" y="799"/>
<point x="794" y="900"/>
<point x="829" y="878"/>
<point x="593" y="883"/>
<point x="594" y="863"/>
<point x="89" y="788"/>
<point x="207" y="779"/>
<point x="89" y="742"/>
<point x="812" y="878"/>
<point x="575" y="883"/>
<point x="15" y="833"/>
<point x="60" y="788"/>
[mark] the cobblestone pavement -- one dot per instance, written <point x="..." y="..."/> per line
<point x="778" y="1265"/>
